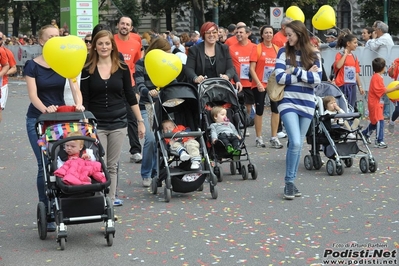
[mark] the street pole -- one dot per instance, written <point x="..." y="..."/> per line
<point x="216" y="12"/>
<point x="386" y="12"/>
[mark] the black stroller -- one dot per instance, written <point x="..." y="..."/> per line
<point x="220" y="92"/>
<point x="333" y="138"/>
<point x="179" y="102"/>
<point x="72" y="204"/>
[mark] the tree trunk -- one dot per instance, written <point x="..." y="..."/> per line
<point x="168" y="15"/>
<point x="198" y="7"/>
<point x="17" y="12"/>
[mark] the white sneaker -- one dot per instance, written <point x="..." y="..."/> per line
<point x="351" y="136"/>
<point x="275" y="143"/>
<point x="195" y="165"/>
<point x="136" y="158"/>
<point x="259" y="142"/>
<point x="380" y="145"/>
<point x="281" y="135"/>
<point x="184" y="156"/>
<point x="147" y="182"/>
<point x="247" y="133"/>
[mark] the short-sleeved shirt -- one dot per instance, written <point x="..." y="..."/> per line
<point x="265" y="58"/>
<point x="279" y="39"/>
<point x="11" y="63"/>
<point x="131" y="51"/>
<point x="375" y="102"/>
<point x="347" y="73"/>
<point x="3" y="59"/>
<point x="50" y="86"/>
<point x="241" y="58"/>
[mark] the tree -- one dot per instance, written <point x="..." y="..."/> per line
<point x="41" y="13"/>
<point x="159" y="8"/>
<point x="129" y="8"/>
<point x="371" y="12"/>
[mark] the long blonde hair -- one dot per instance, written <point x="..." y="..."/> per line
<point x="94" y="58"/>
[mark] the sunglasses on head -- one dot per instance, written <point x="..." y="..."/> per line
<point x="87" y="41"/>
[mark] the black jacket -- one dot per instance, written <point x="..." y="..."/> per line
<point x="195" y="65"/>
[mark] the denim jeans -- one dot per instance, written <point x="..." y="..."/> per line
<point x="395" y="113"/>
<point x="149" y="162"/>
<point x="32" y="135"/>
<point x="296" y="127"/>
<point x="379" y="127"/>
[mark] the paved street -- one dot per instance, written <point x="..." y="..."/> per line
<point x="249" y="223"/>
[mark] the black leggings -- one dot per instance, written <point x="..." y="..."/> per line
<point x="229" y="140"/>
<point x="259" y="98"/>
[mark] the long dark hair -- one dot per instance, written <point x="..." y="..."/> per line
<point x="308" y="54"/>
<point x="344" y="39"/>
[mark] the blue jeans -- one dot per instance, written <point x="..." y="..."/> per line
<point x="296" y="127"/>
<point x="32" y="135"/>
<point x="149" y="162"/>
<point x="395" y="113"/>
<point x="379" y="127"/>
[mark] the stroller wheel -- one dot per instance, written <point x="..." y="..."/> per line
<point x="219" y="173"/>
<point x="331" y="167"/>
<point x="62" y="243"/>
<point x="373" y="165"/>
<point x="308" y="162"/>
<point x="41" y="220"/>
<point x="254" y="172"/>
<point x="317" y="164"/>
<point x="214" y="192"/>
<point x="364" y="164"/>
<point x="348" y="162"/>
<point x="168" y="194"/>
<point x="233" y="169"/>
<point x="244" y="172"/>
<point x="154" y="185"/>
<point x="339" y="168"/>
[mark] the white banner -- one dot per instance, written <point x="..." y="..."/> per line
<point x="22" y="53"/>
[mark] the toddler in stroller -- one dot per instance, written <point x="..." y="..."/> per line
<point x="222" y="129"/>
<point x="64" y="137"/>
<point x="332" y="108"/>
<point x="187" y="147"/>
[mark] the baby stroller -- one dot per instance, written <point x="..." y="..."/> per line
<point x="333" y="138"/>
<point x="83" y="202"/>
<point x="220" y="92"/>
<point x="179" y="102"/>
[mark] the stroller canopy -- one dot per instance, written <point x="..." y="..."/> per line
<point x="217" y="90"/>
<point x="328" y="89"/>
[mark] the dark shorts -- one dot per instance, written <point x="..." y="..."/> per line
<point x="273" y="107"/>
<point x="248" y="95"/>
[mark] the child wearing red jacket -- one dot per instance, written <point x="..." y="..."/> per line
<point x="376" y="103"/>
<point x="186" y="147"/>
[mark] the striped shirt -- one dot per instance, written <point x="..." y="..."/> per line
<point x="299" y="86"/>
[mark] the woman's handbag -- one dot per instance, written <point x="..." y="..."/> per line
<point x="274" y="90"/>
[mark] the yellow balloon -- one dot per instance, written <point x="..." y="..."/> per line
<point x="295" y="13"/>
<point x="65" y="55"/>
<point x="162" y="67"/>
<point x="324" y="19"/>
<point x="393" y="95"/>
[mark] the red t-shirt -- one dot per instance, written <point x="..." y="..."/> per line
<point x="11" y="62"/>
<point x="279" y="39"/>
<point x="265" y="58"/>
<point x="241" y="54"/>
<point x="349" y="62"/>
<point x="230" y="41"/>
<point x="375" y="102"/>
<point x="131" y="51"/>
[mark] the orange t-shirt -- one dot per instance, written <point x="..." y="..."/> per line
<point x="265" y="58"/>
<point x="11" y="62"/>
<point x="131" y="51"/>
<point x="349" y="62"/>
<point x="230" y="41"/>
<point x="375" y="102"/>
<point x="279" y="39"/>
<point x="241" y="54"/>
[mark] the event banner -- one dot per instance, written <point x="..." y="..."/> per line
<point x="364" y="55"/>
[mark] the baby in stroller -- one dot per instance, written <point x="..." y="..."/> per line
<point x="187" y="147"/>
<point x="75" y="149"/>
<point x="222" y="129"/>
<point x="331" y="107"/>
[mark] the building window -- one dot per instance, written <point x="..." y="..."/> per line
<point x="344" y="15"/>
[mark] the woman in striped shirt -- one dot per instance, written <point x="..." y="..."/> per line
<point x="298" y="67"/>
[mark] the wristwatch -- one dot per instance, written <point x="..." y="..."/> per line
<point x="142" y="120"/>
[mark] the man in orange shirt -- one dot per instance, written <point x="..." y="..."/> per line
<point x="240" y="54"/>
<point x="233" y="39"/>
<point x="129" y="44"/>
<point x="5" y="66"/>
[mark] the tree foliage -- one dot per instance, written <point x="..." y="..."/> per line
<point x="371" y="12"/>
<point x="129" y="8"/>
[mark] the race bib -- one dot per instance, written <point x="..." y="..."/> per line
<point x="266" y="73"/>
<point x="244" y="71"/>
<point x="349" y="74"/>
